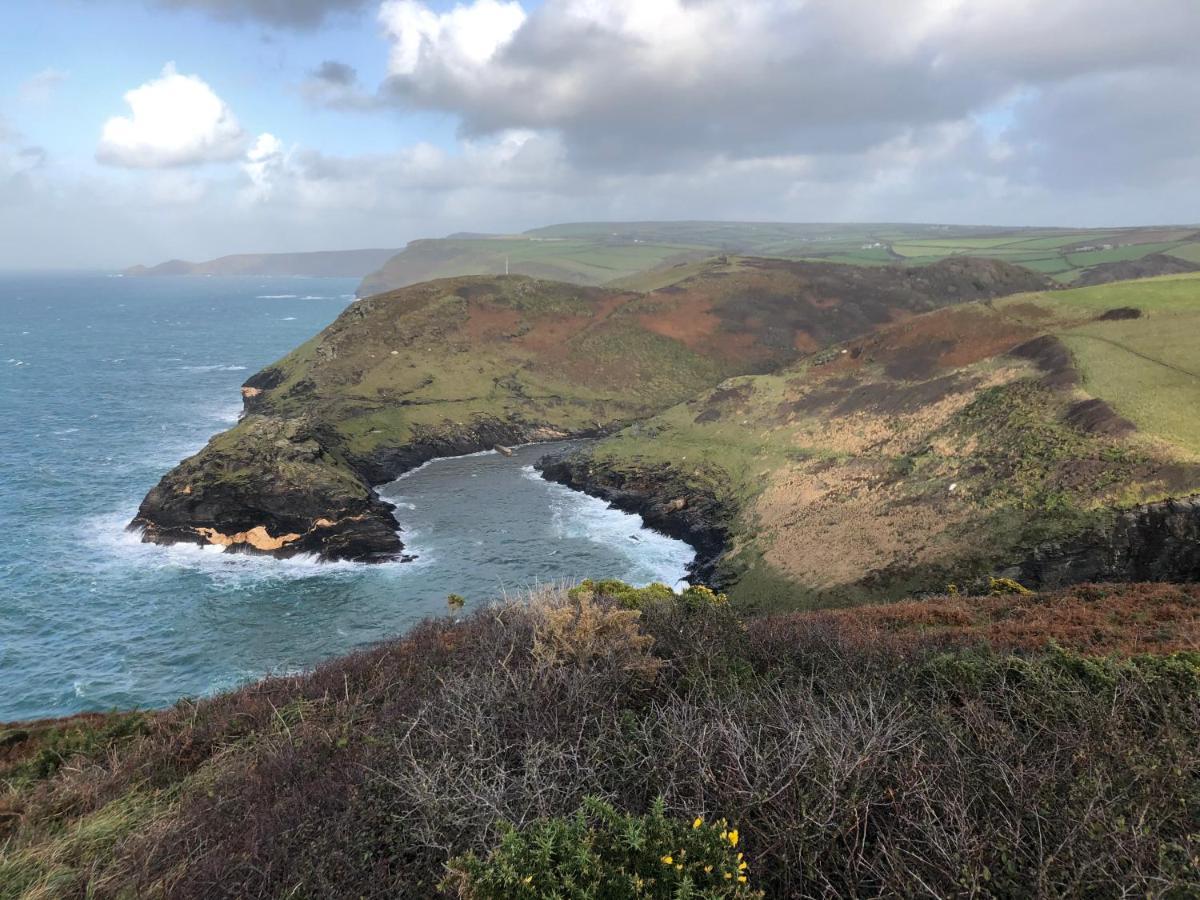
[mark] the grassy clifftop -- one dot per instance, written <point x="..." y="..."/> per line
<point x="927" y="749"/>
<point x="995" y="435"/>
<point x="457" y="365"/>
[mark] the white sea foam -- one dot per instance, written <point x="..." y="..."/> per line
<point x="653" y="556"/>
<point x="120" y="547"/>
<point x="276" y="297"/>
<point x="221" y="367"/>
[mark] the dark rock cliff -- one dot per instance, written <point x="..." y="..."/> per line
<point x="666" y="501"/>
<point x="1157" y="542"/>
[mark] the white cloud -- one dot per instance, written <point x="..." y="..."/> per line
<point x="40" y="88"/>
<point x="175" y="120"/>
<point x="653" y="83"/>
<point x="264" y="163"/>
<point x="465" y="38"/>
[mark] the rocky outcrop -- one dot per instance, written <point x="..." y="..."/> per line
<point x="1149" y="266"/>
<point x="1156" y="542"/>
<point x="663" y="497"/>
<point x="320" y="502"/>
<point x="314" y="504"/>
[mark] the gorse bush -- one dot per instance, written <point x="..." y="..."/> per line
<point x="600" y="853"/>
<point x="582" y="631"/>
<point x="696" y="597"/>
<point x="855" y="764"/>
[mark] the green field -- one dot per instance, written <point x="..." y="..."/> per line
<point x="633" y="254"/>
<point x="1147" y="368"/>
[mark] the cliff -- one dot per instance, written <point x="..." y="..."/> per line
<point x="1050" y="437"/>
<point x="457" y="365"/>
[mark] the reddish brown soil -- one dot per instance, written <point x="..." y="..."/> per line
<point x="1122" y="619"/>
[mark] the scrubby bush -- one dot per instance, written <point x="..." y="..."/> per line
<point x="600" y="853"/>
<point x="856" y="765"/>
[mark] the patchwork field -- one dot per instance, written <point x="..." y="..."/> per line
<point x="642" y="255"/>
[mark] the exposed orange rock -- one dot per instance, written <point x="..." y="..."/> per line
<point x="248" y="392"/>
<point x="258" y="538"/>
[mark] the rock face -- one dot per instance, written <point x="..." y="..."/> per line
<point x="310" y="507"/>
<point x="664" y="500"/>
<point x="1155" y="542"/>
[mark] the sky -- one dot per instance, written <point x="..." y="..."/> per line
<point x="141" y="130"/>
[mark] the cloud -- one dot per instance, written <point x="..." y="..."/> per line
<point x="40" y="88"/>
<point x="653" y="84"/>
<point x="463" y="40"/>
<point x="286" y="13"/>
<point x="175" y="120"/>
<point x="335" y="72"/>
<point x="265" y="161"/>
<point x="335" y="85"/>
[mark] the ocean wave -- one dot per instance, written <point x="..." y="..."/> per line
<point x="214" y="368"/>
<point x="276" y="297"/>
<point x="121" y="547"/>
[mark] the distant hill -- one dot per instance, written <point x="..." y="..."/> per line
<point x="320" y="264"/>
<point x="637" y="254"/>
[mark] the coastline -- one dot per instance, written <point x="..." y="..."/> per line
<point x="667" y="505"/>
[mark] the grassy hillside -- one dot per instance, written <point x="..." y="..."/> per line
<point x="595" y="253"/>
<point x="938" y="449"/>
<point x="458" y="365"/>
<point x="925" y="749"/>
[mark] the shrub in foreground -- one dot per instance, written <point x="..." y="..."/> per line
<point x="856" y="763"/>
<point x="600" y="853"/>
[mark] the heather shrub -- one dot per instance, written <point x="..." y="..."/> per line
<point x="600" y="852"/>
<point x="855" y="765"/>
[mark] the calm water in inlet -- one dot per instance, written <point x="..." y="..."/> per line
<point x="107" y="382"/>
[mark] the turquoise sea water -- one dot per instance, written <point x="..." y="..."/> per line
<point x="105" y="383"/>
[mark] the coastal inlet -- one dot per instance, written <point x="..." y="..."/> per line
<point x="119" y="379"/>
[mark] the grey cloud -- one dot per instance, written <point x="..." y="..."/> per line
<point x="1134" y="128"/>
<point x="728" y="79"/>
<point x="287" y="13"/>
<point x="335" y="72"/>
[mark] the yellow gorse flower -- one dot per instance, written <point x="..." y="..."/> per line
<point x="696" y="824"/>
<point x="733" y="837"/>
<point x="668" y="859"/>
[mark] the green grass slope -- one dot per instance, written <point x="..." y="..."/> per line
<point x="456" y="365"/>
<point x="936" y="450"/>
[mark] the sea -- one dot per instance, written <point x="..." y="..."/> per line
<point x="106" y="383"/>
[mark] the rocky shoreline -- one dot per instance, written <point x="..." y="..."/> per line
<point x="664" y="499"/>
<point x="335" y="513"/>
